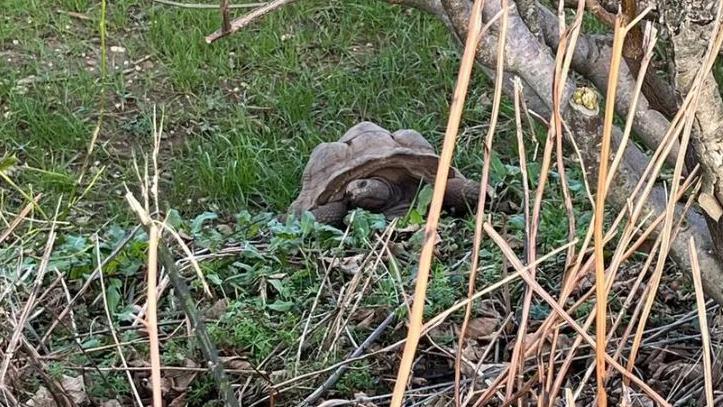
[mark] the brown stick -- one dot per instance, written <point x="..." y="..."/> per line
<point x="202" y="6"/>
<point x="224" y="16"/>
<point x="242" y="22"/>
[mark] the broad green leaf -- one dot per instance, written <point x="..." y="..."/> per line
<point x="424" y="198"/>
<point x="281" y="306"/>
<point x="197" y="222"/>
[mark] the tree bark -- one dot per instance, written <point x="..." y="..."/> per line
<point x="692" y="27"/>
<point x="533" y="62"/>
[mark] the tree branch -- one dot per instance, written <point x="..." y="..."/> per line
<point x="696" y="38"/>
<point x="531" y="61"/>
<point x="242" y="22"/>
<point x="592" y="60"/>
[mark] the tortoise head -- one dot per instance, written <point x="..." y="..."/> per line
<point x="369" y="193"/>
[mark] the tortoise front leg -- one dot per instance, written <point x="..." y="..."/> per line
<point x="331" y="213"/>
<point x="461" y="196"/>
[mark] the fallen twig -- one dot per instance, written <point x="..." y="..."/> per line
<point x="204" y="340"/>
<point x="242" y="22"/>
<point x="358" y="351"/>
<point x="206" y="6"/>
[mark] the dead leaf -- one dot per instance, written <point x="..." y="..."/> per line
<point x="111" y="403"/>
<point x="482" y="327"/>
<point x="216" y="310"/>
<point x="235" y="363"/>
<point x="181" y="379"/>
<point x="42" y="398"/>
<point x="363" y="400"/>
<point x="75" y="387"/>
<point x="351" y="265"/>
<point x="710" y="205"/>
<point x="348" y="265"/>
<point x="179" y="401"/>
<point x="166" y="384"/>
<point x="364" y="317"/>
<point x="471" y="352"/>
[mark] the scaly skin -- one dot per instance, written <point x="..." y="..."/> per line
<point x="331" y="213"/>
<point x="377" y="195"/>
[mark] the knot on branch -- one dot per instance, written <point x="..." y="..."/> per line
<point x="586" y="100"/>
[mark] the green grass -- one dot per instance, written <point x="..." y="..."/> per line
<point x="241" y="115"/>
<point x="240" y="118"/>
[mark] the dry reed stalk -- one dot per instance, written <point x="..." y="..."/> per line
<point x="429" y="325"/>
<point x="601" y="194"/>
<point x="340" y="325"/>
<point x="632" y="297"/>
<point x="518" y="350"/>
<point x="151" y="323"/>
<point x="20" y="217"/>
<point x="562" y="63"/>
<point x="525" y="275"/>
<point x="149" y="190"/>
<point x="649" y="41"/>
<point x="666" y="242"/>
<point x="302" y="338"/>
<point x="440" y="184"/>
<point x="17" y="335"/>
<point x="479" y="218"/>
<point x="493" y="340"/>
<point x="705" y="335"/>
<point x="568" y="41"/>
<point x="572" y="276"/>
<point x="87" y="284"/>
<point x="547" y="324"/>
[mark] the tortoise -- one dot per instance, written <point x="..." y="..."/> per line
<point x="373" y="169"/>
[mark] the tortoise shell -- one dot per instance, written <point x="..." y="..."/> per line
<point x="365" y="150"/>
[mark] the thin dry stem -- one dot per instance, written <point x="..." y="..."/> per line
<point x="525" y="275"/>
<point x="703" y="319"/>
<point x="479" y="219"/>
<point x="601" y="298"/>
<point x="20" y="218"/>
<point x="151" y="318"/>
<point x="307" y="324"/>
<point x="112" y="328"/>
<point x="30" y="303"/>
<point x="440" y="184"/>
<point x="431" y="324"/>
<point x="87" y="284"/>
<point x="666" y="233"/>
<point x="205" y="6"/>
